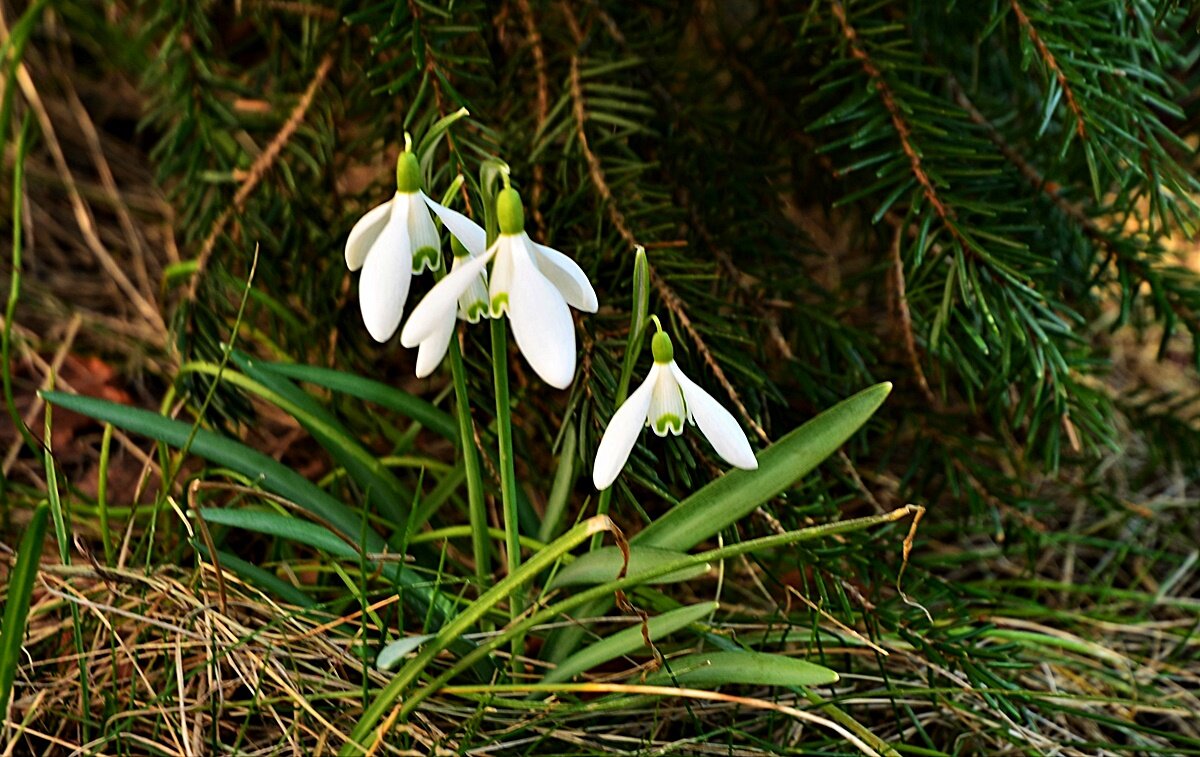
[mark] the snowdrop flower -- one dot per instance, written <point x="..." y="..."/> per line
<point x="529" y="282"/>
<point x="662" y="402"/>
<point x="472" y="303"/>
<point x="391" y="243"/>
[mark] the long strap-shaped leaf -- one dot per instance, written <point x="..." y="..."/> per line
<point x="372" y="391"/>
<point x="16" y="605"/>
<point x="734" y="495"/>
<point x="471" y="615"/>
<point x="267" y="472"/>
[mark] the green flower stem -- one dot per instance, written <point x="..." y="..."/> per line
<point x="508" y="480"/>
<point x="476" y="508"/>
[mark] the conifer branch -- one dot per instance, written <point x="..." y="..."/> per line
<point x="262" y="164"/>
<point x="899" y="123"/>
<point x="670" y="300"/>
<point x="1052" y="65"/>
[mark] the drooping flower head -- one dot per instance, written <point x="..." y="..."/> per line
<point x="664" y="400"/>
<point x="530" y="283"/>
<point x="391" y="243"/>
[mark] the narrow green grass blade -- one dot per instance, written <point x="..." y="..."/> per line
<point x="735" y="495"/>
<point x="604" y="564"/>
<point x="382" y="488"/>
<point x="281" y="527"/>
<point x="419" y="410"/>
<point x="469" y="616"/>
<point x="256" y="576"/>
<point x="627" y="641"/>
<point x="269" y="473"/>
<point x="704" y="671"/>
<point x="16" y="603"/>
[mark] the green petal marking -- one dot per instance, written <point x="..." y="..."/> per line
<point x="669" y="422"/>
<point x="426" y="257"/>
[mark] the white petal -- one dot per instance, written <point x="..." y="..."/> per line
<point x="383" y="284"/>
<point x="426" y="242"/>
<point x="434" y="347"/>
<point x="541" y="321"/>
<point x="430" y="313"/>
<point x="622" y="432"/>
<point x="667" y="410"/>
<point x="470" y="234"/>
<point x="716" y="423"/>
<point x="364" y="234"/>
<point x="500" y="282"/>
<point x="473" y="302"/>
<point x="568" y="277"/>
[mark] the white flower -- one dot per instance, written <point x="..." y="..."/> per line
<point x="532" y="283"/>
<point x="472" y="302"/>
<point x="662" y="402"/>
<point x="391" y="243"/>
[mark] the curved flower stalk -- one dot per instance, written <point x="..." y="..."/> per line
<point x="531" y="283"/>
<point x="392" y="242"/>
<point x="662" y="402"/>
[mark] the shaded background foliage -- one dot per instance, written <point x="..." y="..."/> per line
<point x="981" y="201"/>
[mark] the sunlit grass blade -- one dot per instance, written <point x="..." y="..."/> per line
<point x="417" y="409"/>
<point x="603" y="565"/>
<point x="627" y="641"/>
<point x="456" y="627"/>
<point x="16" y="602"/>
<point x="705" y="671"/>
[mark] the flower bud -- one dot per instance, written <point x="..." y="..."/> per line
<point x="509" y="211"/>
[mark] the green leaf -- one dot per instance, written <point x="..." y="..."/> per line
<point x="602" y="565"/>
<point x="737" y="493"/>
<point x="704" y="671"/>
<point x="252" y="574"/>
<point x="457" y="626"/>
<point x="267" y="472"/>
<point x="417" y="409"/>
<point x="16" y="604"/>
<point x="380" y="485"/>
<point x="393" y="653"/>
<point x="281" y="527"/>
<point x="628" y="640"/>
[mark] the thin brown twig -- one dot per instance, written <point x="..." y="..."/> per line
<point x="899" y="123"/>
<point x="543" y="106"/>
<point x="262" y="164"/>
<point x="1052" y="65"/>
<point x="905" y="320"/>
